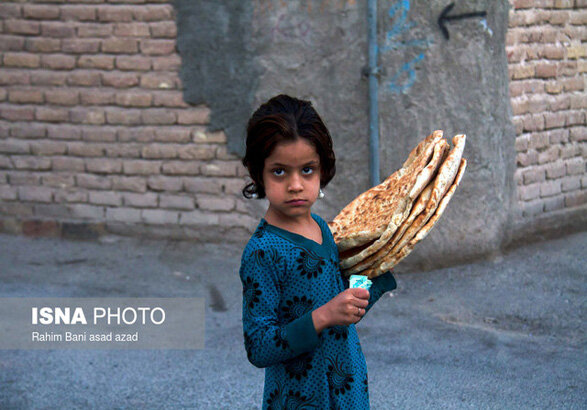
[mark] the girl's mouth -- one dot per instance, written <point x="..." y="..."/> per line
<point x="299" y="202"/>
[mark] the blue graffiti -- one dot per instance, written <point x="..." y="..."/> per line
<point x="408" y="68"/>
<point x="405" y="78"/>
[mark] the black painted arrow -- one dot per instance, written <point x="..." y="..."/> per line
<point x="444" y="17"/>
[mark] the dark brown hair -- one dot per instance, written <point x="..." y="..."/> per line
<point x="285" y="118"/>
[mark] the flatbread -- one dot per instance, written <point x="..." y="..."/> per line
<point x="390" y="262"/>
<point x="355" y="256"/>
<point x="365" y="218"/>
<point x="417" y="209"/>
<point x="442" y="182"/>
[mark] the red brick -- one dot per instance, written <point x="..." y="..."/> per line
<point x="103" y="165"/>
<point x="143" y="200"/>
<point x="12" y="43"/>
<point x="24" y="178"/>
<point x="48" y="148"/>
<point x="134" y="99"/>
<point x="14" y="77"/>
<point x="167" y="63"/>
<point x="32" y="163"/>
<point x="159" y="80"/>
<point x="57" y="30"/>
<point x="12" y="113"/>
<point x="545" y="70"/>
<point x="553" y="87"/>
<point x="51" y="114"/>
<point x="22" y="27"/>
<point x="158" y="117"/>
<point x="21" y="60"/>
<point x="199" y="151"/>
<point x="62" y="96"/>
<point x="80" y="46"/>
<point x="133" y="63"/>
<point x="25" y="96"/>
<point x="579" y="17"/>
<point x="38" y="229"/>
<point x="99" y="134"/>
<point x="163" y="183"/>
<point x="28" y="130"/>
<point x="578" y="134"/>
<point x="165" y="29"/>
<point x="181" y="168"/>
<point x="57" y="61"/>
<point x="48" y="78"/>
<point x="131" y="30"/>
<point x="40" y="12"/>
<point x="97" y="97"/>
<point x="119" y="150"/>
<point x="169" y="99"/>
<point x="42" y="45"/>
<point x="101" y="62"/>
<point x="154" y="13"/>
<point x="554" y="120"/>
<point x="141" y="167"/>
<point x="534" y="122"/>
<point x="573" y="84"/>
<point x="115" y="13"/>
<point x="105" y="198"/>
<point x="94" y="30"/>
<point x="521" y="71"/>
<point x="563" y="4"/>
<point x="63" y="132"/>
<point x="142" y="134"/>
<point x="156" y="151"/>
<point x="78" y="13"/>
<point x="94" y="116"/>
<point x="575" y="118"/>
<point x="14" y="147"/>
<point x="173" y="134"/>
<point x="10" y="10"/>
<point x="120" y="80"/>
<point x="220" y="168"/>
<point x="68" y="164"/>
<point x="92" y="181"/>
<point x="120" y="46"/>
<point x="567" y="68"/>
<point x="84" y="78"/>
<point x="558" y="103"/>
<point x="123" y="117"/>
<point x="132" y="184"/>
<point x="158" y="47"/>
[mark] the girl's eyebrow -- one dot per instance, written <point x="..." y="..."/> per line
<point x="306" y="164"/>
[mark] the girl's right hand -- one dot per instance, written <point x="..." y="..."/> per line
<point x="346" y="308"/>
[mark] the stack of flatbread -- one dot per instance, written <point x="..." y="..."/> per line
<point x="381" y="226"/>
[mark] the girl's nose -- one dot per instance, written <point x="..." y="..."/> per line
<point x="295" y="183"/>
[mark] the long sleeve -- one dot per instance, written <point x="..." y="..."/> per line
<point x="267" y="340"/>
<point x="381" y="284"/>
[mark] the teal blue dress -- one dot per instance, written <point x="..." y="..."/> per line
<point x="285" y="276"/>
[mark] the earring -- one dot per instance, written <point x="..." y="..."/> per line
<point x="254" y="195"/>
<point x="320" y="194"/>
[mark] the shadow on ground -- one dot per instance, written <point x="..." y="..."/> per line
<point x="502" y="333"/>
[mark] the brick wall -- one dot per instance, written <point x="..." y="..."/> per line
<point x="546" y="46"/>
<point x="94" y="133"/>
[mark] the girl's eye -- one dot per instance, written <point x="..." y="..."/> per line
<point x="305" y="171"/>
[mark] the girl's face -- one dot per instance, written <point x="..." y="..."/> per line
<point x="291" y="172"/>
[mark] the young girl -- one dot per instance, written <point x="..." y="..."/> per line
<point x="298" y="310"/>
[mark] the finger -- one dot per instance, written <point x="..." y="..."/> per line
<point x="362" y="303"/>
<point x="360" y="293"/>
